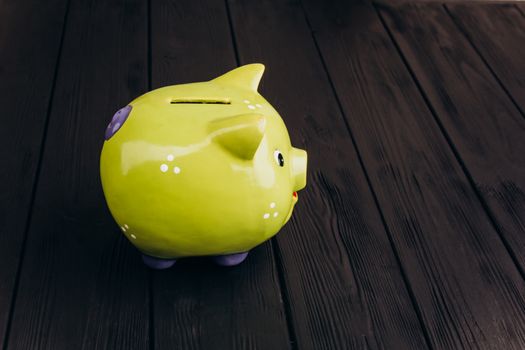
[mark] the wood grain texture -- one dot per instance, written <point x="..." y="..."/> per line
<point x="498" y="33"/>
<point x="82" y="286"/>
<point x="521" y="7"/>
<point x="342" y="280"/>
<point x="482" y="122"/>
<point x="26" y="81"/>
<point x="198" y="305"/>
<point x="470" y="293"/>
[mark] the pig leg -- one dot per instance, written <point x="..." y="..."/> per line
<point x="230" y="260"/>
<point x="157" y="263"/>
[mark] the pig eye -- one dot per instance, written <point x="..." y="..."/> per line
<point x="279" y="158"/>
<point x="116" y="122"/>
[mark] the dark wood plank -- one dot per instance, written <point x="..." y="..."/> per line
<point x="520" y="7"/>
<point x="498" y="33"/>
<point x="29" y="45"/>
<point x="198" y="305"/>
<point x="482" y="122"/>
<point x="342" y="279"/>
<point x="82" y="286"/>
<point x="469" y="291"/>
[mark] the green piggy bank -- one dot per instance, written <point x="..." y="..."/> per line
<point x="201" y="169"/>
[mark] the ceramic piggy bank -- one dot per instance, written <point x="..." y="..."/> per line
<point x="201" y="169"/>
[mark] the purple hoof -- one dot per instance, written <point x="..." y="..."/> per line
<point x="156" y="263"/>
<point x="230" y="260"/>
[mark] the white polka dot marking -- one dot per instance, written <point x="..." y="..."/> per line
<point x="164" y="168"/>
<point x="126" y="226"/>
<point x="176" y="170"/>
<point x="266" y="216"/>
<point x="258" y="105"/>
<point x="133" y="236"/>
<point x="169" y="157"/>
<point x="246" y="101"/>
<point x="272" y="205"/>
<point x="251" y="107"/>
<point x="275" y="214"/>
<point x="123" y="228"/>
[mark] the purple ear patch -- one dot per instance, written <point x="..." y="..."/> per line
<point x="116" y="122"/>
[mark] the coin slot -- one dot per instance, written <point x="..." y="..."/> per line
<point x="205" y="101"/>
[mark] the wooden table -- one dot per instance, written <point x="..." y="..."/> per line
<point x="409" y="235"/>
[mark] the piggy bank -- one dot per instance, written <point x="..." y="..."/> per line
<point x="201" y="169"/>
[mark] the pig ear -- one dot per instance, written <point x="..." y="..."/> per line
<point x="240" y="134"/>
<point x="246" y="77"/>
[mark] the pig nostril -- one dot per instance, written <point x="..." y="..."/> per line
<point x="117" y="121"/>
